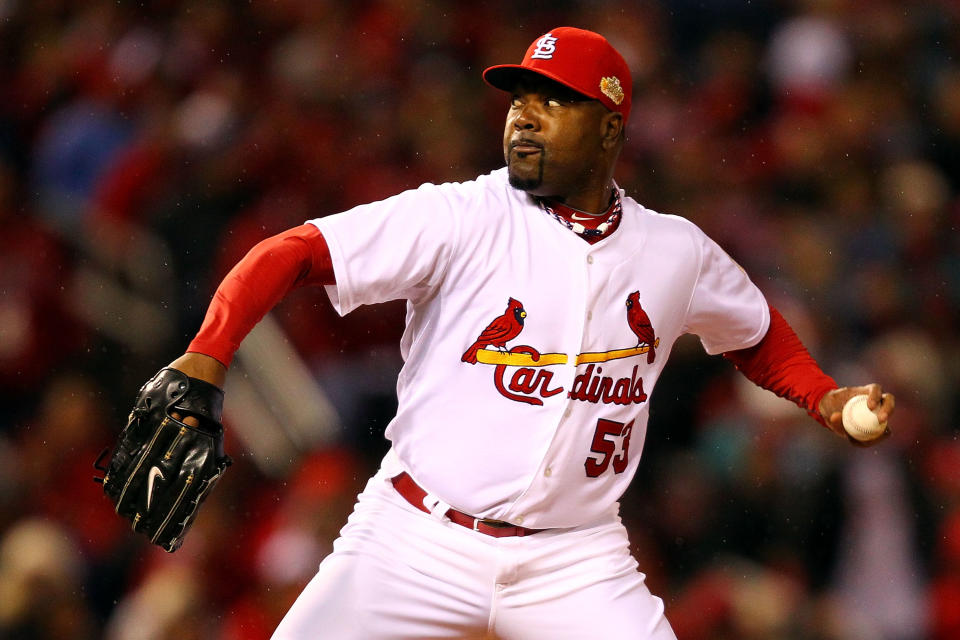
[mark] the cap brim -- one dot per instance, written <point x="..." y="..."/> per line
<point x="505" y="76"/>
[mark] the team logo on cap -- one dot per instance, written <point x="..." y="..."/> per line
<point x="610" y="87"/>
<point x="546" y="46"/>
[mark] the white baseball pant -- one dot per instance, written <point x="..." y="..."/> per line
<point x="399" y="573"/>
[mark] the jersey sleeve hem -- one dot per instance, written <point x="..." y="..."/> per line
<point x="753" y="340"/>
<point x="339" y="293"/>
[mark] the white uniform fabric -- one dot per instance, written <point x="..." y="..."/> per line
<point x="533" y="445"/>
<point x="398" y="573"/>
<point x="547" y="436"/>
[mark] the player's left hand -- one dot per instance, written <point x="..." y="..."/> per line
<point x="163" y="468"/>
<point x="831" y="409"/>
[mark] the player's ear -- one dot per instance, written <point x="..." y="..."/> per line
<point x="612" y="129"/>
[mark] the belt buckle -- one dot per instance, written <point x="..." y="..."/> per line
<point x="493" y="524"/>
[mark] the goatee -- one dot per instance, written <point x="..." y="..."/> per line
<point x="525" y="182"/>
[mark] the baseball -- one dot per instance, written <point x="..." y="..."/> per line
<point x="859" y="421"/>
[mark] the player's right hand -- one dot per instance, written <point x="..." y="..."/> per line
<point x="831" y="409"/>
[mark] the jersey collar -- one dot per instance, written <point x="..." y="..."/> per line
<point x="590" y="227"/>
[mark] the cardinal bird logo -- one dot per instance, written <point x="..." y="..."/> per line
<point x="639" y="323"/>
<point x="503" y="329"/>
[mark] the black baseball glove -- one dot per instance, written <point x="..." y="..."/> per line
<point x="162" y="469"/>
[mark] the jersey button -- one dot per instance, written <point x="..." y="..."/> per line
<point x="518" y="520"/>
<point x="589" y="259"/>
<point x="566" y="414"/>
<point x="589" y="315"/>
<point x="548" y="472"/>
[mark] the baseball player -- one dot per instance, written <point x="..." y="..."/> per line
<point x="542" y="303"/>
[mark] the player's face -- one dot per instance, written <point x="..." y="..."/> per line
<point x="552" y="142"/>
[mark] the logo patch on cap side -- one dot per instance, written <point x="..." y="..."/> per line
<point x="545" y="47"/>
<point x="610" y="87"/>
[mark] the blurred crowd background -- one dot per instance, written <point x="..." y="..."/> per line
<point x="144" y="147"/>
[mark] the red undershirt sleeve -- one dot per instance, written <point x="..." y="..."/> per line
<point x="780" y="363"/>
<point x="269" y="271"/>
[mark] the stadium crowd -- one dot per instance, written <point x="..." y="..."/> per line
<point x="144" y="147"/>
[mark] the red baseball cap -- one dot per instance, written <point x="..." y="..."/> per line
<point x="580" y="59"/>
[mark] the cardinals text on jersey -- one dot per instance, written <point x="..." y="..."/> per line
<point x="530" y="385"/>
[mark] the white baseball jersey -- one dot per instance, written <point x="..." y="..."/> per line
<point x="527" y="368"/>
